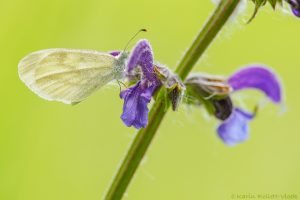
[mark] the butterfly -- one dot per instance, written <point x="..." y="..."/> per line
<point x="71" y="75"/>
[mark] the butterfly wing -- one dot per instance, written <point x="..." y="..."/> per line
<point x="66" y="75"/>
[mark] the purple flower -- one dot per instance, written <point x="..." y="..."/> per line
<point x="295" y="6"/>
<point x="296" y="12"/>
<point x="137" y="97"/>
<point x="235" y="128"/>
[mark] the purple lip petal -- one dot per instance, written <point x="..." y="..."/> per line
<point x="136" y="99"/>
<point x="115" y="53"/>
<point x="142" y="56"/>
<point x="257" y="77"/>
<point x="235" y="129"/>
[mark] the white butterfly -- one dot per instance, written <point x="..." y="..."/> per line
<point x="69" y="75"/>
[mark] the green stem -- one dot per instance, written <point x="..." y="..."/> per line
<point x="144" y="137"/>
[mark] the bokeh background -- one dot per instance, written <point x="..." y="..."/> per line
<point x="53" y="151"/>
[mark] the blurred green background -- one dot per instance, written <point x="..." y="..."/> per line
<point x="50" y="151"/>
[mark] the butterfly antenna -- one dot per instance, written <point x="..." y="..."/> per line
<point x="141" y="30"/>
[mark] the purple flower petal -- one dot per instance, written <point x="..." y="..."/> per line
<point x="115" y="53"/>
<point x="295" y="6"/>
<point x="257" y="77"/>
<point x="136" y="99"/>
<point x="142" y="56"/>
<point x="235" y="129"/>
<point x="296" y="12"/>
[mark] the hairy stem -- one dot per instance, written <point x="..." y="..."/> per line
<point x="144" y="137"/>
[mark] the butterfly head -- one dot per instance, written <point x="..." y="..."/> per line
<point x="122" y="58"/>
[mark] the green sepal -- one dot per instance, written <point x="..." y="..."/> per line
<point x="261" y="3"/>
<point x="196" y="96"/>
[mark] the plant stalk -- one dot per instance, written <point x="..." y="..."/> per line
<point x="160" y="107"/>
